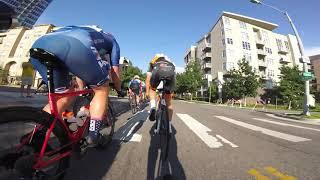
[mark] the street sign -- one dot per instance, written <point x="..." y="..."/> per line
<point x="307" y="74"/>
<point x="307" y="78"/>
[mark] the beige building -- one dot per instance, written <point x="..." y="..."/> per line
<point x="14" y="50"/>
<point x="315" y="67"/>
<point x="234" y="37"/>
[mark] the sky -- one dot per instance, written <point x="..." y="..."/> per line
<point x="146" y="27"/>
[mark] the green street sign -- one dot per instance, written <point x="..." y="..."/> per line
<point x="307" y="78"/>
<point x="307" y="74"/>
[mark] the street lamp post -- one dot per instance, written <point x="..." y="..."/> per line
<point x="303" y="57"/>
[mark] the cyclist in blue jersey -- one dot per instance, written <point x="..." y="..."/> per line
<point x="135" y="86"/>
<point x="90" y="54"/>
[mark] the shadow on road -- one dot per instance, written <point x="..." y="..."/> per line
<point x="96" y="164"/>
<point x="154" y="152"/>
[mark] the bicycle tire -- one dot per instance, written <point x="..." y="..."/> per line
<point x="164" y="132"/>
<point x="30" y="114"/>
<point x="133" y="104"/>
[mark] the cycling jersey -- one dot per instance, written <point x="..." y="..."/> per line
<point x="135" y="86"/>
<point x="86" y="52"/>
<point x="158" y="60"/>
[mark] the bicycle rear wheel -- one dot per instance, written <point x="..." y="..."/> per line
<point x="133" y="104"/>
<point x="23" y="130"/>
<point x="164" y="132"/>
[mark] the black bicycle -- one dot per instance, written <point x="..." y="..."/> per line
<point x="133" y="102"/>
<point x="162" y="121"/>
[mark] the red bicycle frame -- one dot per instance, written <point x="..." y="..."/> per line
<point x="74" y="137"/>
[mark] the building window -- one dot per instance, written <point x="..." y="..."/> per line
<point x="224" y="66"/>
<point x="246" y="45"/>
<point x="224" y="53"/>
<point x="223" y="42"/>
<point x="227" y="20"/>
<point x="270" y="62"/>
<point x="287" y="45"/>
<point x="270" y="73"/>
<point x="222" y="32"/>
<point x="229" y="41"/>
<point x="242" y="25"/>
<point x="245" y="36"/>
<point x="268" y="50"/>
<point x="221" y="23"/>
<point x="279" y="44"/>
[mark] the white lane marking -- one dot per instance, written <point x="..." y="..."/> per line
<point x="316" y="122"/>
<point x="226" y="141"/>
<point x="201" y="131"/>
<point x="136" y="138"/>
<point x="269" y="132"/>
<point x="284" y="124"/>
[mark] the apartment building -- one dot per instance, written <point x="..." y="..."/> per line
<point x="234" y="37"/>
<point x="14" y="50"/>
<point x="315" y="68"/>
<point x="28" y="11"/>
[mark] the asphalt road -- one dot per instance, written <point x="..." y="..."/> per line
<point x="209" y="142"/>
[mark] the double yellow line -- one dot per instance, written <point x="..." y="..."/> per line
<point x="270" y="170"/>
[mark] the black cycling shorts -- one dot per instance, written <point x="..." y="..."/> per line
<point x="163" y="71"/>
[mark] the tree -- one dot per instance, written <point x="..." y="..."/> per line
<point x="130" y="72"/>
<point x="291" y="86"/>
<point x="213" y="92"/>
<point x="190" y="80"/>
<point x="242" y="82"/>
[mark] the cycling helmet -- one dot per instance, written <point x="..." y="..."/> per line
<point x="136" y="77"/>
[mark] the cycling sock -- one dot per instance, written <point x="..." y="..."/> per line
<point x="95" y="126"/>
<point x="153" y="104"/>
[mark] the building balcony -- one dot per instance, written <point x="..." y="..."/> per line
<point x="284" y="60"/>
<point x="260" y="42"/>
<point x="206" y="66"/>
<point x="207" y="47"/>
<point x="283" y="51"/>
<point x="206" y="56"/>
<point x="262" y="64"/>
<point x="261" y="52"/>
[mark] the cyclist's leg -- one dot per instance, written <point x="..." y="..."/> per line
<point x="61" y="82"/>
<point x="168" y="99"/>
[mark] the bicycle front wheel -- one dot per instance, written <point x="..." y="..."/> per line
<point x="23" y="130"/>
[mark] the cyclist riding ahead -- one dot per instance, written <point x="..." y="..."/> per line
<point x="160" y="67"/>
<point x="84" y="51"/>
<point x="135" y="86"/>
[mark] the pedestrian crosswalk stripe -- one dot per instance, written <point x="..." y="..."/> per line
<point x="269" y="132"/>
<point x="284" y="124"/>
<point x="287" y="119"/>
<point x="226" y="141"/>
<point x="202" y="132"/>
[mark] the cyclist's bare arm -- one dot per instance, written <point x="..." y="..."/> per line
<point x="148" y="83"/>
